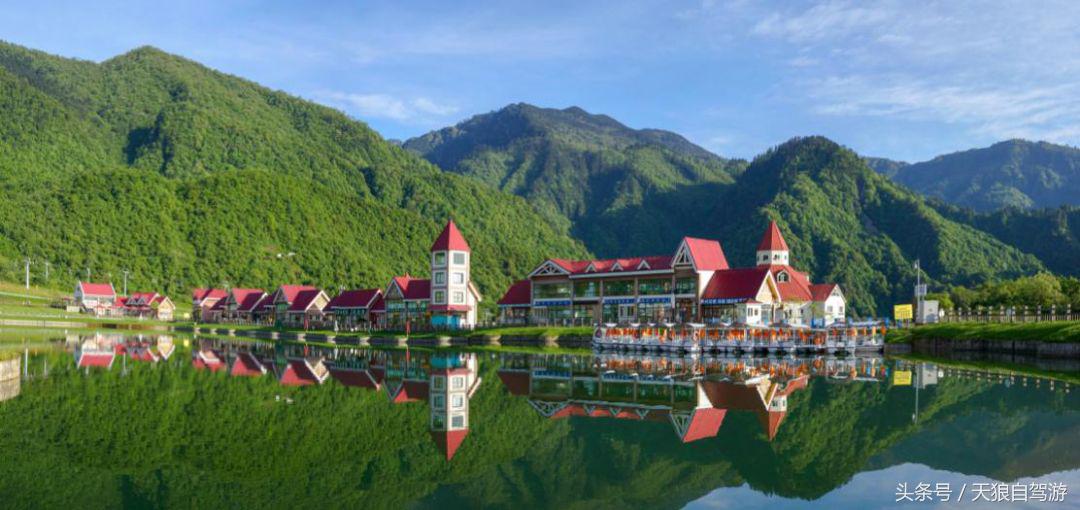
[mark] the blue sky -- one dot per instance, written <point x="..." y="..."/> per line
<point x="895" y="79"/>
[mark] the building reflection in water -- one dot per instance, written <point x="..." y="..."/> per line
<point x="10" y="381"/>
<point x="693" y="395"/>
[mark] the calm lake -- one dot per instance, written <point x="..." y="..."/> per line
<point x="96" y="421"/>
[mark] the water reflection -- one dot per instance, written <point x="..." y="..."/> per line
<point x="530" y="430"/>
<point x="9" y="379"/>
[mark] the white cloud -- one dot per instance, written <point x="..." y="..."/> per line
<point x="418" y="110"/>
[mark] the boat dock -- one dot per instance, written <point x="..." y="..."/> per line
<point x="698" y="338"/>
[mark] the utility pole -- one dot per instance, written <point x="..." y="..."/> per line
<point x="27" y="273"/>
<point x="46" y="273"/>
<point x="87" y="274"/>
<point x="125" y="281"/>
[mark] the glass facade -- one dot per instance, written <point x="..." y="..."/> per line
<point x="686" y="285"/>
<point x="587" y="289"/>
<point x="619" y="288"/>
<point x="654" y="312"/>
<point x="654" y="286"/>
<point x="551" y="290"/>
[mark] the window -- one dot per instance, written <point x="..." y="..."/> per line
<point x="457" y="402"/>
<point x="654" y="286"/>
<point x="440" y="277"/>
<point x="440" y="297"/>
<point x="440" y="258"/>
<point x="459" y="258"/>
<point x="438" y="401"/>
<point x="782" y="276"/>
<point x="438" y="382"/>
<point x="458" y="382"/>
<point x="457" y="422"/>
<point x="776" y="256"/>
<point x="457" y="277"/>
<point x="459" y="297"/>
<point x="619" y="288"/>
<point x="686" y="285"/>
<point x="551" y="290"/>
<point x="586" y="289"/>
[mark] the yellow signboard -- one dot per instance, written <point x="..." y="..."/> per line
<point x="903" y="312"/>
<point x="901" y="377"/>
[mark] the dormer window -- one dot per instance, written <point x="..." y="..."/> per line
<point x="616" y="267"/>
<point x="591" y="268"/>
<point x="782" y="277"/>
<point x="643" y="265"/>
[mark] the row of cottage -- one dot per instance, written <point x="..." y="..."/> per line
<point x="447" y="300"/>
<point x="693" y="285"/>
<point x="102" y="300"/>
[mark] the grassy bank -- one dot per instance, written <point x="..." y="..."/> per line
<point x="1063" y="331"/>
<point x="997" y="367"/>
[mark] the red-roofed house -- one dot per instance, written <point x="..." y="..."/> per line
<point x="203" y="300"/>
<point x="150" y="305"/>
<point x="276" y="308"/>
<point x="798" y="304"/>
<point x="306" y="308"/>
<point x="515" y="304"/>
<point x="353" y="309"/>
<point x="695" y="284"/>
<point x="96" y="298"/>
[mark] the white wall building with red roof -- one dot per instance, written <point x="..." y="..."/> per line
<point x="694" y="284"/>
<point x="96" y="298"/>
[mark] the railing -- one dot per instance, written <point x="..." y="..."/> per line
<point x="1011" y="314"/>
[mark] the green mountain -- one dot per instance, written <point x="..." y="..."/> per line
<point x="848" y="224"/>
<point x="885" y="166"/>
<point x="188" y="176"/>
<point x="1013" y="173"/>
<point x="613" y="187"/>
<point x="1052" y="234"/>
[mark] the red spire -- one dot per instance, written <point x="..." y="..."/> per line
<point x="449" y="441"/>
<point x="772" y="240"/>
<point x="450" y="239"/>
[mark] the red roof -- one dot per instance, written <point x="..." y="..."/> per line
<point x="450" y="239"/>
<point x="516" y="382"/>
<point x="298" y="373"/>
<point x="354" y="377"/>
<point x="247" y="299"/>
<point x="246" y="365"/>
<point x="413" y="288"/>
<point x="707" y="253"/>
<point x="379" y="305"/>
<point x="520" y="293"/>
<point x="797" y="288"/>
<point x="97" y="289"/>
<point x="290" y="292"/>
<point x="772" y="240"/>
<point x="704" y="422"/>
<point x="201" y="295"/>
<point x="736" y="284"/>
<point x="408" y="391"/>
<point x="614" y="265"/>
<point x="362" y="298"/>
<point x="821" y="291"/>
<point x="449" y="441"/>
<point x="770" y="421"/>
<point x="304" y="299"/>
<point x="96" y="359"/>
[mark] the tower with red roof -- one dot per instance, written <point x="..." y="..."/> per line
<point x="453" y="297"/>
<point x="772" y="250"/>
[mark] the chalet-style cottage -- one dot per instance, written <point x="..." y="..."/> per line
<point x="448" y="300"/>
<point x="95" y="298"/>
<point x="150" y="305"/>
<point x="695" y="284"/>
<point x="203" y="300"/>
<point x="354" y="309"/>
<point x="238" y="305"/>
<point x="292" y="306"/>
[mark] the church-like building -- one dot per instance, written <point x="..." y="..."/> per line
<point x="693" y="285"/>
<point x="447" y="300"/>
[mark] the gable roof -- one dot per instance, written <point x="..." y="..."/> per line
<point x="304" y="299"/>
<point x="413" y="288"/>
<point x="289" y="292"/>
<point x="773" y="240"/>
<point x="797" y="288"/>
<point x="246" y="299"/>
<point x="449" y="441"/>
<point x="703" y="422"/>
<point x="97" y="289"/>
<point x="520" y="293"/>
<point x="821" y="291"/>
<point x="600" y="266"/>
<point x="708" y="255"/>
<point x="450" y="239"/>
<point x="736" y="285"/>
<point x="358" y="298"/>
<point x="201" y="295"/>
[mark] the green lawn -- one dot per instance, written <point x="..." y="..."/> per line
<point x="1062" y="331"/>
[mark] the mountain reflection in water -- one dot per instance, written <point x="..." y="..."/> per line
<point x="148" y="420"/>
